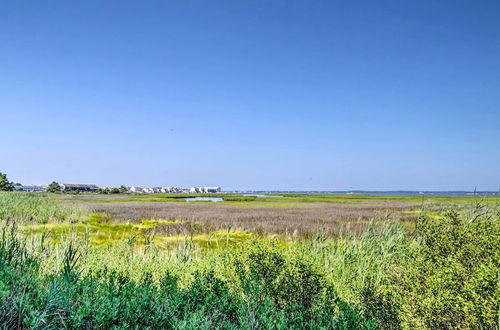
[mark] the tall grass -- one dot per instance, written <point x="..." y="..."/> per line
<point x="445" y="275"/>
<point x="70" y="285"/>
<point x="300" y="222"/>
<point x="30" y="208"/>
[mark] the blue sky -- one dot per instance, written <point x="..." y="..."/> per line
<point x="298" y="95"/>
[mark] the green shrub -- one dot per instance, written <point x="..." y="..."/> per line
<point x="451" y="277"/>
<point x="290" y="282"/>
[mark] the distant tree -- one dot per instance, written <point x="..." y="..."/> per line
<point x="114" y="191"/>
<point x="5" y="184"/>
<point x="54" y="187"/>
<point x="103" y="191"/>
<point x="123" y="189"/>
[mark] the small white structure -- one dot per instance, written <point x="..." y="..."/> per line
<point x="135" y="189"/>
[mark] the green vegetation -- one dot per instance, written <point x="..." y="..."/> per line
<point x="99" y="230"/>
<point x="31" y="208"/>
<point x="287" y="200"/>
<point x="54" y="187"/>
<point x="121" y="190"/>
<point x="442" y="275"/>
<point x="457" y="267"/>
<point x="5" y="184"/>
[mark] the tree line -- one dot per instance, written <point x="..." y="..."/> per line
<point x="6" y="185"/>
<point x="55" y="187"/>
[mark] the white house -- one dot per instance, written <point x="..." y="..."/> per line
<point x="135" y="189"/>
<point x="212" y="189"/>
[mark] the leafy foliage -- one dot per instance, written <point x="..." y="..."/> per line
<point x="5" y="184"/>
<point x="54" y="187"/>
<point x="120" y="190"/>
<point x="452" y="275"/>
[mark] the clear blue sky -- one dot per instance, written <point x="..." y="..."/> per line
<point x="320" y="95"/>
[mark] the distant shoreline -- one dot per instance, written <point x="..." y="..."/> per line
<point x="374" y="193"/>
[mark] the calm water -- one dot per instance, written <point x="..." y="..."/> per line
<point x="203" y="199"/>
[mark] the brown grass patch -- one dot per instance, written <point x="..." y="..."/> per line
<point x="301" y="222"/>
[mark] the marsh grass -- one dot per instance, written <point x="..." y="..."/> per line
<point x="31" y="208"/>
<point x="287" y="199"/>
<point x="444" y="275"/>
<point x="79" y="286"/>
<point x="300" y="222"/>
<point x="373" y="280"/>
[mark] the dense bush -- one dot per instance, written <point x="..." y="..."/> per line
<point x="451" y="277"/>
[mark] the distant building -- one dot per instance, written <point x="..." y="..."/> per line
<point x="79" y="187"/>
<point x="169" y="190"/>
<point x="204" y="190"/>
<point x="193" y="190"/>
<point x="134" y="189"/>
<point x="31" y="188"/>
<point x="212" y="189"/>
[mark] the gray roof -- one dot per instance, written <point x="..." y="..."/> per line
<point x="79" y="185"/>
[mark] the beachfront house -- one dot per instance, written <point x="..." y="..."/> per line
<point x="30" y="188"/>
<point x="79" y="187"/>
<point x="211" y="189"/>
